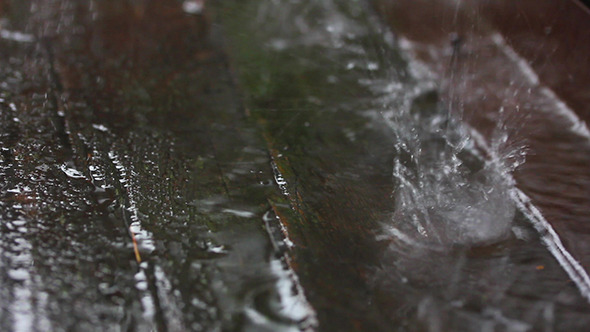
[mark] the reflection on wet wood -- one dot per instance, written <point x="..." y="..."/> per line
<point x="120" y="120"/>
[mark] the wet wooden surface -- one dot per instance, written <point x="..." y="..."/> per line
<point x="342" y="199"/>
<point x="238" y="169"/>
<point x="120" y="122"/>
<point x="553" y="36"/>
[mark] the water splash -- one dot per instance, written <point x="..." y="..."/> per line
<point x="505" y="152"/>
<point x="447" y="192"/>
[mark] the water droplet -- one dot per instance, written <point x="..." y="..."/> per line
<point x="142" y="285"/>
<point x="18" y="274"/>
<point x="193" y="7"/>
<point x="239" y="213"/>
<point x="279" y="44"/>
<point x="16" y="36"/>
<point x="100" y="127"/>
<point x="372" y="66"/>
<point x="71" y="172"/>
<point x="217" y="249"/>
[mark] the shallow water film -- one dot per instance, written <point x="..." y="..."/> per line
<point x="287" y="165"/>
